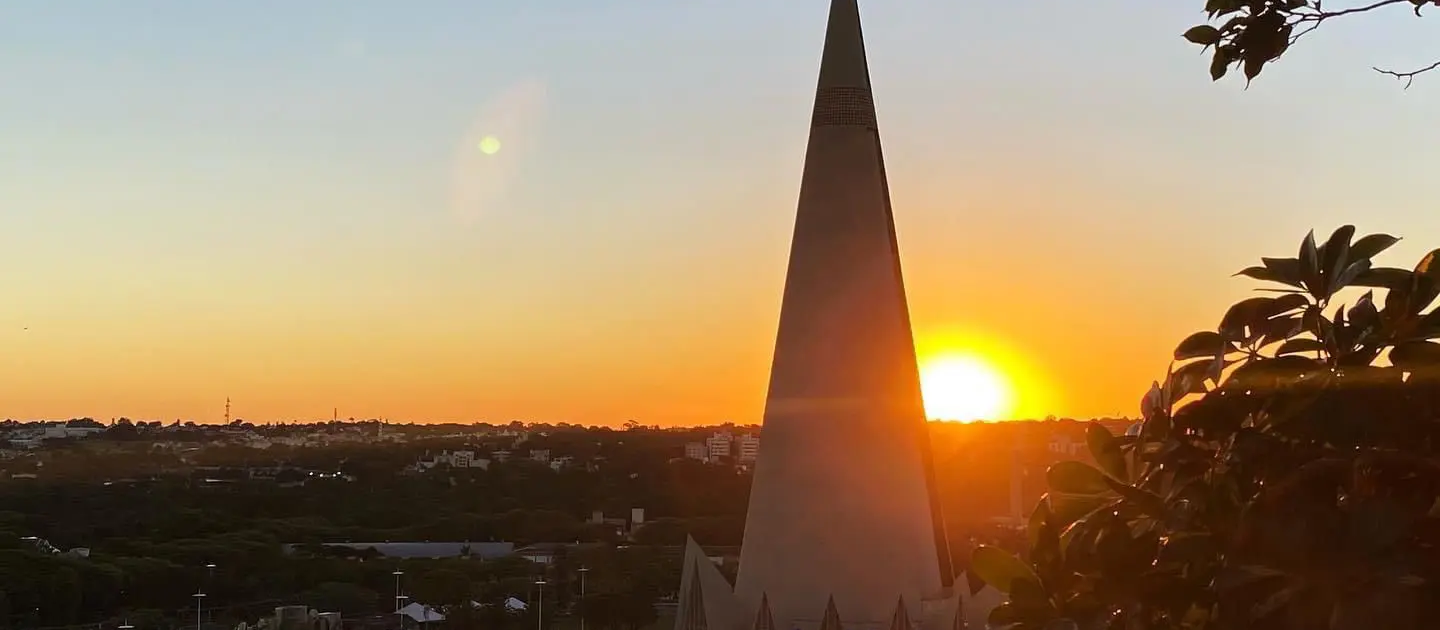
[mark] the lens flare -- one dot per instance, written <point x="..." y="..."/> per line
<point x="482" y="175"/>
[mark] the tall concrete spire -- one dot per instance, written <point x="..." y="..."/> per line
<point x="843" y="62"/>
<point x="843" y="507"/>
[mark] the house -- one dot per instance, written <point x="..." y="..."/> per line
<point x="417" y="614"/>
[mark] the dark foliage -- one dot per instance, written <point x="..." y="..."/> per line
<point x="1285" y="476"/>
<point x="1252" y="33"/>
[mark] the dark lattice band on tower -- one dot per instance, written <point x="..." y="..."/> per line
<point x="844" y="107"/>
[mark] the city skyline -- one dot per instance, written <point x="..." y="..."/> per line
<point x="577" y="213"/>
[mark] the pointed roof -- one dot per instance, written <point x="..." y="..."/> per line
<point x="763" y="619"/>
<point x="831" y="620"/>
<point x="844" y="368"/>
<point x="693" y="615"/>
<point x="843" y="62"/>
<point x="707" y="601"/>
<point x="901" y="619"/>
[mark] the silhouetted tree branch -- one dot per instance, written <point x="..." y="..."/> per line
<point x="1256" y="32"/>
<point x="1409" y="77"/>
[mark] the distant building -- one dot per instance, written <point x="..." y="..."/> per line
<point x="1062" y="445"/>
<point x="623" y="526"/>
<point x="457" y="459"/>
<point x="697" y="451"/>
<point x="748" y="448"/>
<point x="719" y="444"/>
<point x="541" y="455"/>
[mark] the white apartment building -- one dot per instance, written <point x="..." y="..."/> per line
<point x="457" y="459"/>
<point x="719" y="444"/>
<point x="748" y="448"/>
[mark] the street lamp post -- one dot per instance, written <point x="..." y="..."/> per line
<point x="582" y="571"/>
<point x="210" y="584"/>
<point x="540" y="606"/>
<point x="199" y="600"/>
<point x="397" y="573"/>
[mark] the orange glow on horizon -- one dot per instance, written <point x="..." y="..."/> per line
<point x="968" y="377"/>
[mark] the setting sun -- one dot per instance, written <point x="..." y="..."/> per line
<point x="965" y="388"/>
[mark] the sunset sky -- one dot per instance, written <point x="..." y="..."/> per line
<point x="285" y="202"/>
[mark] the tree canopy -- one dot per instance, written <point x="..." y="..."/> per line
<point x="1285" y="476"/>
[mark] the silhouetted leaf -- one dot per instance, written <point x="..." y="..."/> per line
<point x="1429" y="326"/>
<point x="1106" y="451"/>
<point x="1425" y="281"/>
<point x="1382" y="278"/>
<point x="1201" y="344"/>
<point x="1364" y="322"/>
<point x="1066" y="508"/>
<point x="1335" y="256"/>
<point x="1430" y="264"/>
<point x="1038" y="518"/>
<point x="1299" y="345"/>
<point x="1220" y="62"/>
<point x="1309" y="258"/>
<point x="1416" y="355"/>
<point x="1190" y="378"/>
<point x="1252" y="312"/>
<point x="1031" y="600"/>
<point x="1271" y="374"/>
<point x="1286" y="270"/>
<point x="1253" y="66"/>
<point x="1348" y="275"/>
<point x="1148" y="502"/>
<point x="1280" y="329"/>
<point x="1000" y="569"/>
<point x="1371" y="245"/>
<point x="1265" y="37"/>
<point x="1076" y="478"/>
<point x="1204" y="35"/>
<point x="1222" y="7"/>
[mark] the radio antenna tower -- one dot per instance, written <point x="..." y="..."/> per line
<point x="227" y="410"/>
